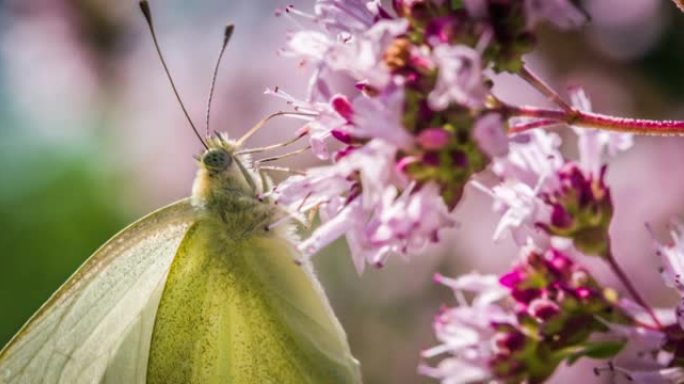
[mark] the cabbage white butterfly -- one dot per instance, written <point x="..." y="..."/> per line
<point x="201" y="291"/>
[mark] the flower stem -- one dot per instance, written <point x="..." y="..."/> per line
<point x="622" y="276"/>
<point x="595" y="120"/>
<point x="544" y="88"/>
<point x="542" y="123"/>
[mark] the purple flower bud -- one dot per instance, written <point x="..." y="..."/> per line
<point x="404" y="163"/>
<point x="560" y="217"/>
<point x="580" y="278"/>
<point x="344" y="152"/>
<point x="543" y="309"/>
<point x="559" y="263"/>
<point x="526" y="296"/>
<point x="512" y="279"/>
<point x="508" y="342"/>
<point x="584" y="293"/>
<point x="342" y="136"/>
<point x="441" y="29"/>
<point x="459" y="158"/>
<point x="433" y="138"/>
<point x="342" y="106"/>
<point x="431" y="159"/>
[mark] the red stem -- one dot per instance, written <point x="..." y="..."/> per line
<point x="622" y="276"/>
<point x="544" y="88"/>
<point x="595" y="120"/>
<point x="542" y="123"/>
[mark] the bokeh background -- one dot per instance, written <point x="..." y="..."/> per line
<point x="91" y="138"/>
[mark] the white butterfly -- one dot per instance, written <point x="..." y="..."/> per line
<point x="201" y="291"/>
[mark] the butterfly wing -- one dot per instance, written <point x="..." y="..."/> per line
<point x="74" y="337"/>
<point x="242" y="311"/>
<point x="298" y="298"/>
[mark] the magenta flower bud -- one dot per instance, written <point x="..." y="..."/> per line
<point x="412" y="78"/>
<point x="431" y="159"/>
<point x="525" y="296"/>
<point x="543" y="309"/>
<point x="559" y="263"/>
<point x="403" y="163"/>
<point x="459" y="158"/>
<point x="342" y="153"/>
<point x="398" y="6"/>
<point x="342" y="136"/>
<point x="583" y="293"/>
<point x="342" y="106"/>
<point x="560" y="216"/>
<point x="508" y="342"/>
<point x="420" y="63"/>
<point x="512" y="279"/>
<point x="433" y="138"/>
<point x="441" y="29"/>
<point x="573" y="178"/>
<point x="580" y="278"/>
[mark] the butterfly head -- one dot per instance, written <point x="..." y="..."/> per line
<point x="216" y="160"/>
<point x="223" y="175"/>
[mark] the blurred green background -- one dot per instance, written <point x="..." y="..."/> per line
<point x="91" y="138"/>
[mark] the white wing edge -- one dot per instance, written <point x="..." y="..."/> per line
<point x="75" y="335"/>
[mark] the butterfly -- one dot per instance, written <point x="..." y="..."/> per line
<point x="205" y="290"/>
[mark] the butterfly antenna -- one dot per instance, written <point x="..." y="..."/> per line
<point x="227" y="33"/>
<point x="145" y="8"/>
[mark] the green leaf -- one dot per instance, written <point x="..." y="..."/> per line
<point x="595" y="350"/>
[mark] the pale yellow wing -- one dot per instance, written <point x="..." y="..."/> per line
<point x="105" y="306"/>
<point x="239" y="310"/>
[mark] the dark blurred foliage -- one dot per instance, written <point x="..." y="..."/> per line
<point x="664" y="64"/>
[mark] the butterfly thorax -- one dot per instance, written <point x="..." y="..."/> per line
<point x="227" y="190"/>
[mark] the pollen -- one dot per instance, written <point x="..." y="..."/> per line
<point x="398" y="54"/>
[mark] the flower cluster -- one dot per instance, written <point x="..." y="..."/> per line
<point x="531" y="319"/>
<point x="400" y="101"/>
<point x="401" y="105"/>
<point x="548" y="198"/>
<point x="564" y="198"/>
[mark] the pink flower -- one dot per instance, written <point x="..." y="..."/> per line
<point x="490" y="136"/>
<point x="344" y="15"/>
<point x="528" y="169"/>
<point x="459" y="77"/>
<point x="559" y="12"/>
<point x="346" y="49"/>
<point x="466" y="333"/>
<point x="380" y="117"/>
<point x="670" y="375"/>
<point x="357" y="199"/>
<point x="487" y="287"/>
<point x="533" y="159"/>
<point x="576" y="197"/>
<point x="319" y="129"/>
<point x="415" y="127"/>
<point x="433" y="138"/>
<point x="672" y="258"/>
<point x="594" y="143"/>
<point x="520" y="208"/>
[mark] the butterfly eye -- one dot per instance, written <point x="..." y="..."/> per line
<point x="216" y="159"/>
